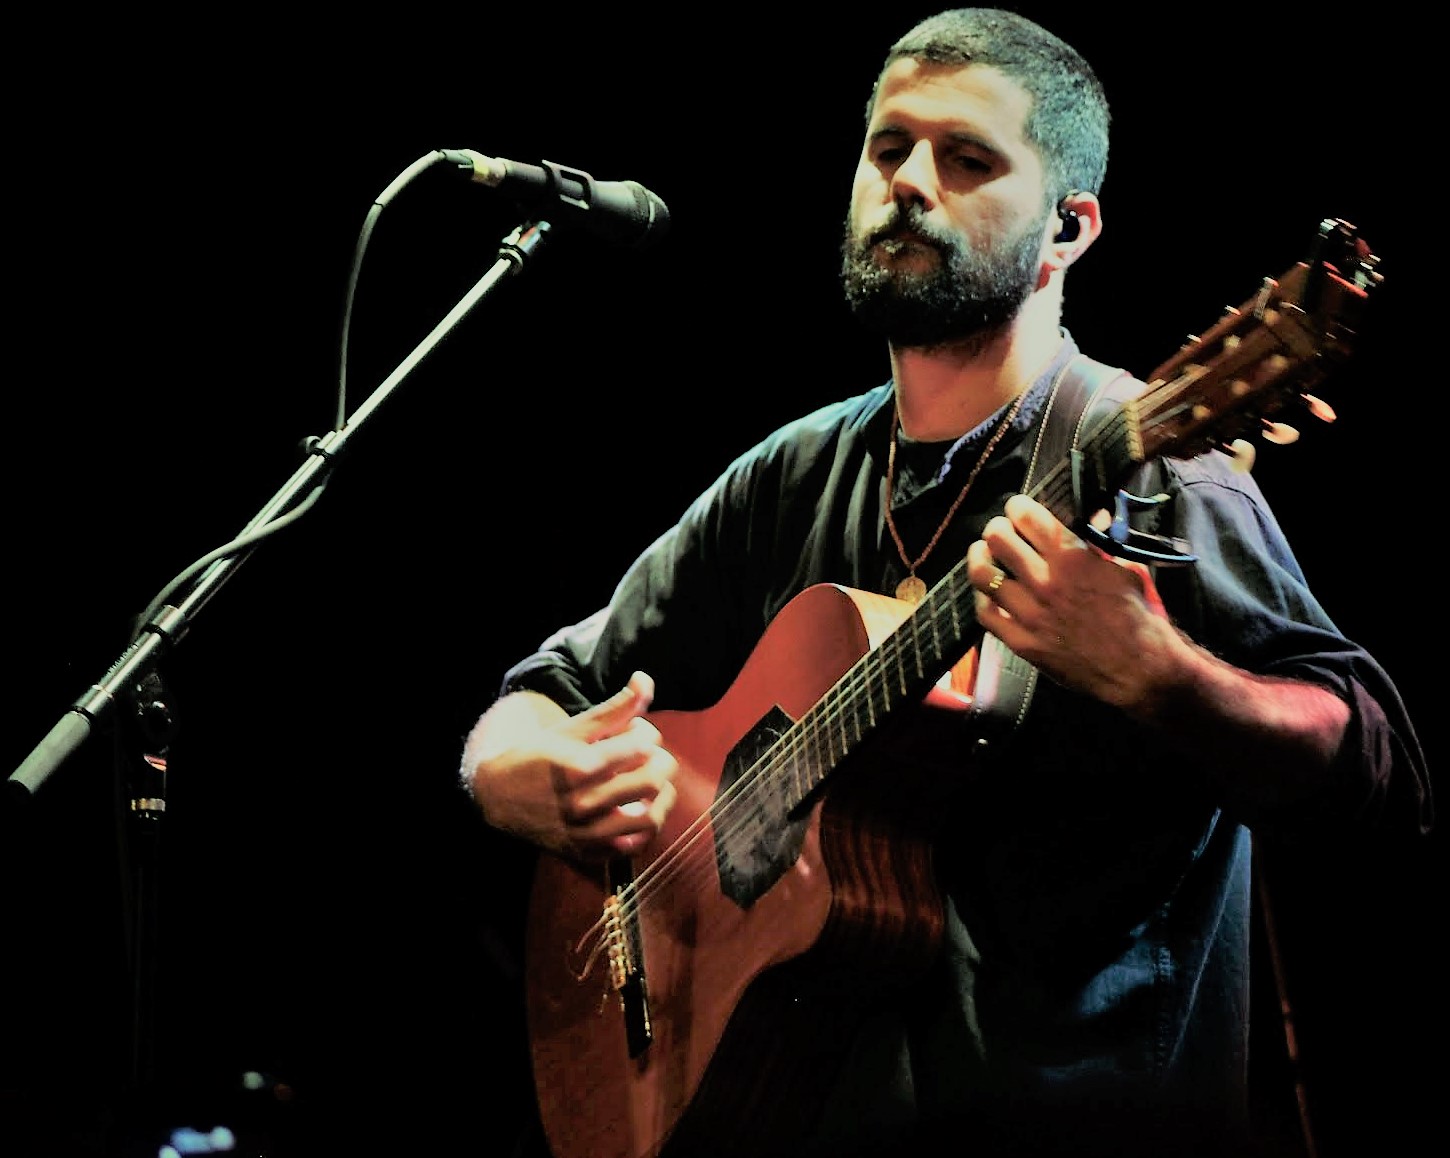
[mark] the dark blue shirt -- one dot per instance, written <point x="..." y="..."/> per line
<point x="1094" y="980"/>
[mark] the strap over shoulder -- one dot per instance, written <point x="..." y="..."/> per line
<point x="1087" y="391"/>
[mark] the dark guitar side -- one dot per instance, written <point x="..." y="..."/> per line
<point x="749" y="1006"/>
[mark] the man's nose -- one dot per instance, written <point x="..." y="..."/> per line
<point x="915" y="179"/>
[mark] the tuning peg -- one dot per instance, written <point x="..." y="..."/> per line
<point x="1280" y="433"/>
<point x="1243" y="453"/>
<point x="1264" y="297"/>
<point x="1320" y="408"/>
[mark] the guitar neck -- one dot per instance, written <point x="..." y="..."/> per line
<point x="1256" y="359"/>
<point x="901" y="670"/>
<point x="929" y="641"/>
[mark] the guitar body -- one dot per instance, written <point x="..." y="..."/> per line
<point x="743" y="991"/>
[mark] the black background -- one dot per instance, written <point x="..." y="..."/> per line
<point x="332" y="912"/>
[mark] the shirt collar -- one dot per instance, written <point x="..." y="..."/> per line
<point x="878" y="423"/>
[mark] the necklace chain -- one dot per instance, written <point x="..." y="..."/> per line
<point x="911" y="588"/>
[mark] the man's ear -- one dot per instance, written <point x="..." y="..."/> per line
<point x="1075" y="226"/>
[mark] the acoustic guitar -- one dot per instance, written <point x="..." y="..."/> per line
<point x="693" y="999"/>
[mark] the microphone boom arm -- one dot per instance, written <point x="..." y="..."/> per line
<point x="171" y="622"/>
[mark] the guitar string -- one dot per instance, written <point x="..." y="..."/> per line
<point x="828" y="719"/>
<point x="733" y="803"/>
<point x="702" y="868"/>
<point x="665" y="870"/>
<point x="766" y="768"/>
<point x="762" y="769"/>
<point x="786" y="757"/>
<point x="679" y="864"/>
<point x="722" y="807"/>
<point x="727" y="807"/>
<point x="816" y="724"/>
<point x="824" y="729"/>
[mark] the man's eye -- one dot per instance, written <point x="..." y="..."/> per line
<point x="971" y="163"/>
<point x="891" y="155"/>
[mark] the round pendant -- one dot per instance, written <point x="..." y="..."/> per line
<point x="911" y="589"/>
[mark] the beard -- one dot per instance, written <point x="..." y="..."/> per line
<point x="967" y="296"/>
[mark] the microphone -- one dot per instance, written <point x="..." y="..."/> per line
<point x="624" y="212"/>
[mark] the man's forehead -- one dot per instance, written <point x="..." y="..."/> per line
<point x="977" y="94"/>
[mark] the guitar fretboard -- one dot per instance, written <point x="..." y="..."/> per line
<point x="928" y="642"/>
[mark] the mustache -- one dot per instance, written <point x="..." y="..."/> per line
<point x="910" y="223"/>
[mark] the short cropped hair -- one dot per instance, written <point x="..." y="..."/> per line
<point x="1068" y="121"/>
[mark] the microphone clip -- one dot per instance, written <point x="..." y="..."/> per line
<point x="624" y="212"/>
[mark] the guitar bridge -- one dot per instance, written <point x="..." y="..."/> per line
<point x="625" y="951"/>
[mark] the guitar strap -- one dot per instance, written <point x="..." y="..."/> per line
<point x="1004" y="682"/>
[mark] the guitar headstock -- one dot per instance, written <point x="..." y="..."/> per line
<point x="1266" y="355"/>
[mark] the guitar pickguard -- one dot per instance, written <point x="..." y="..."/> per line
<point x="763" y="840"/>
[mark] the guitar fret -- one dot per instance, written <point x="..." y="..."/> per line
<point x="935" y="636"/>
<point x="896" y="647"/>
<point x="822" y="744"/>
<point x="797" y="765"/>
<point x="915" y="651"/>
<point x="823" y="738"/>
<point x="870" y="705"/>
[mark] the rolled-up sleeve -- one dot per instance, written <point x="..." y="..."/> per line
<point x="1246" y="600"/>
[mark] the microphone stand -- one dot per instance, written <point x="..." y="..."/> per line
<point x="142" y="739"/>
<point x="170" y="624"/>
<point x="146" y="725"/>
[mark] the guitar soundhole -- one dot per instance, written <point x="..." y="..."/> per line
<point x="756" y="837"/>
